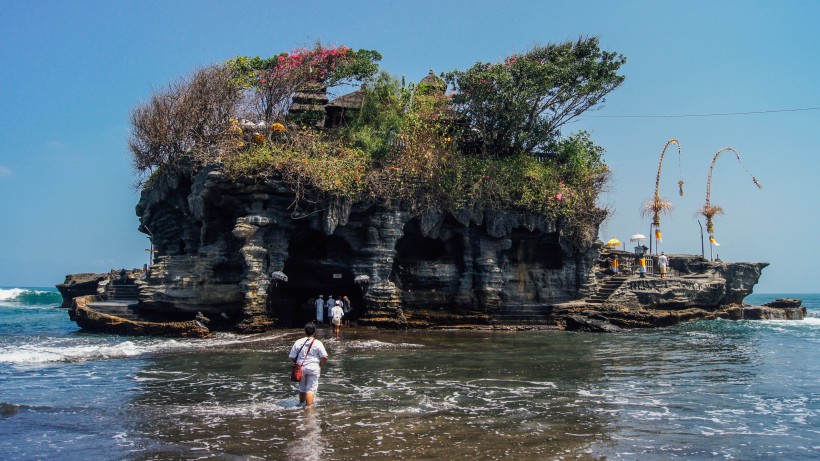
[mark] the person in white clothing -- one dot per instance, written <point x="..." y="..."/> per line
<point x="320" y="309"/>
<point x="329" y="305"/>
<point x="336" y="315"/>
<point x="311" y="354"/>
<point x="663" y="264"/>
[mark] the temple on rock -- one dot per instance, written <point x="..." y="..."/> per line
<point x="425" y="208"/>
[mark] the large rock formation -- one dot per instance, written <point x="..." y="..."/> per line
<point x="87" y="284"/>
<point x="693" y="282"/>
<point x="695" y="289"/>
<point x="92" y="319"/>
<point x="249" y="253"/>
<point x="225" y="247"/>
<point x="79" y="285"/>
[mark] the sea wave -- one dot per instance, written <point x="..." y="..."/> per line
<point x="30" y="296"/>
<point x="37" y="354"/>
<point x="61" y="350"/>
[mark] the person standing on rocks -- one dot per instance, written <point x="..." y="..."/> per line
<point x="311" y="354"/>
<point x="320" y="310"/>
<point x="663" y="263"/>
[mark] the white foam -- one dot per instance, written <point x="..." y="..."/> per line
<point x="30" y="353"/>
<point x="73" y="350"/>
<point x="806" y="322"/>
<point x="7" y="294"/>
<point x="376" y="344"/>
<point x="239" y="409"/>
<point x="814" y="321"/>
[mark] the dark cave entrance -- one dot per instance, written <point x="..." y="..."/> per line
<point x="429" y="270"/>
<point x="316" y="265"/>
<point x="530" y="247"/>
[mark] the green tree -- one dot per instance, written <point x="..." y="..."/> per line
<point x="382" y="115"/>
<point x="521" y="104"/>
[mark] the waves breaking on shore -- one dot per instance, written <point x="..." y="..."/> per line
<point x="30" y="296"/>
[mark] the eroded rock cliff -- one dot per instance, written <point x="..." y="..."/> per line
<point x="249" y="255"/>
<point x="225" y="247"/>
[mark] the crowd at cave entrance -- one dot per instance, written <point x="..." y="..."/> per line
<point x="316" y="267"/>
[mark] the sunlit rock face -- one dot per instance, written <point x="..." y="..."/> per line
<point x="692" y="282"/>
<point x="250" y="255"/>
<point x="78" y="285"/>
<point x="224" y="248"/>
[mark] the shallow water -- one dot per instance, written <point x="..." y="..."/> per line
<point x="704" y="390"/>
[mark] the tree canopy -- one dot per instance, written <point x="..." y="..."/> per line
<point x="522" y="103"/>
<point x="411" y="143"/>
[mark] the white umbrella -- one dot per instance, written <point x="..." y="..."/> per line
<point x="637" y="238"/>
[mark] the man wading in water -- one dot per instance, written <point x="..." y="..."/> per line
<point x="311" y="353"/>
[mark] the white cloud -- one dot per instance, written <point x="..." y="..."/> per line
<point x="57" y="145"/>
<point x="4" y="171"/>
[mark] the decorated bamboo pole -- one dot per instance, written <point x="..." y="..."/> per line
<point x="709" y="211"/>
<point x="658" y="205"/>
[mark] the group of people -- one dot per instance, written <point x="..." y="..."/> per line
<point x="336" y="311"/>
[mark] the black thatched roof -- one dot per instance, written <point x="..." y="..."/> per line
<point x="352" y="100"/>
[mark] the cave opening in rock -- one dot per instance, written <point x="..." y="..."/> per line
<point x="529" y="247"/>
<point x="317" y="265"/>
<point x="428" y="270"/>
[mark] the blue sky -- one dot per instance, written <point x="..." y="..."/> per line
<point x="72" y="72"/>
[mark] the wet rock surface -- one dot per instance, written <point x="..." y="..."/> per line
<point x="88" y="318"/>
<point x="779" y="309"/>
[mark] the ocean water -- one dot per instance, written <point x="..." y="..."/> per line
<point x="699" y="391"/>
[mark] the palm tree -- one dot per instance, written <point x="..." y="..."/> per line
<point x="708" y="210"/>
<point x="657" y="205"/>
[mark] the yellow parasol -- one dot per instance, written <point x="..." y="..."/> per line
<point x="613" y="242"/>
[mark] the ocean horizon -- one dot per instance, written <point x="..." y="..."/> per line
<point x="742" y="390"/>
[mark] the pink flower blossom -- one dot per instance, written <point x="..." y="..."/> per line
<point x="559" y="196"/>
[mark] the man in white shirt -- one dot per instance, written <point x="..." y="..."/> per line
<point x="311" y="354"/>
<point x="663" y="264"/>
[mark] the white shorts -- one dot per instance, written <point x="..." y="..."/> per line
<point x="309" y="382"/>
<point x="337" y="321"/>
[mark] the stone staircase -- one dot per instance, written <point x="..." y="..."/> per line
<point x="606" y="289"/>
<point x="524" y="313"/>
<point x="120" y="309"/>
<point x="124" y="292"/>
<point x="122" y="301"/>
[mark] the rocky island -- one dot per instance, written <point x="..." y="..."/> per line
<point x="426" y="208"/>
